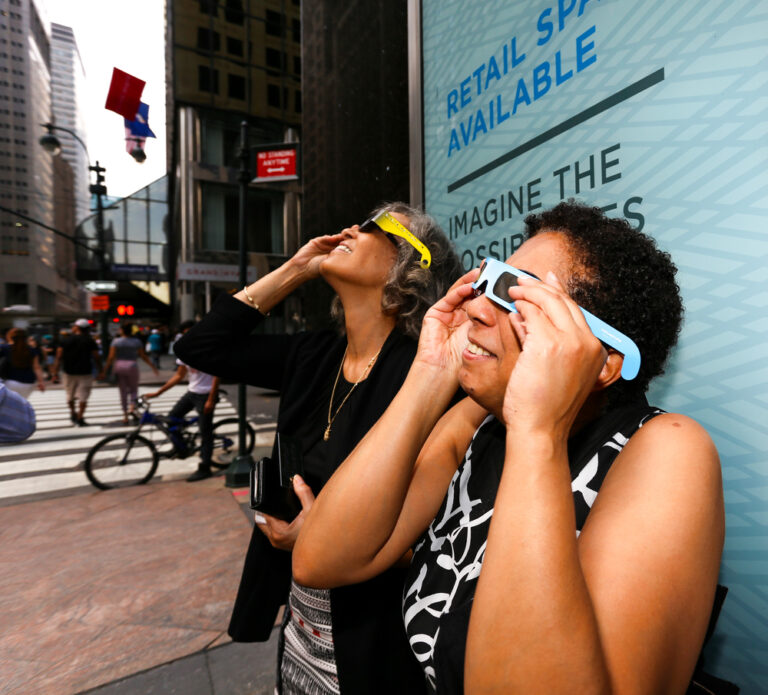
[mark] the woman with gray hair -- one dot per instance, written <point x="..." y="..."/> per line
<point x="334" y="385"/>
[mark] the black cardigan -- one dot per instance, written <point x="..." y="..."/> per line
<point x="372" y="653"/>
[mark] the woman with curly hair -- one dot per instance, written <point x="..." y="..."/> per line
<point x="566" y="535"/>
<point x="333" y="386"/>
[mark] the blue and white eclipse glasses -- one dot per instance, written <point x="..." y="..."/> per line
<point x="495" y="280"/>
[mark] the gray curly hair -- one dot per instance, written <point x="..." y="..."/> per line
<point x="410" y="289"/>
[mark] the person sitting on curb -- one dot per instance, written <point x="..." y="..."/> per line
<point x="201" y="395"/>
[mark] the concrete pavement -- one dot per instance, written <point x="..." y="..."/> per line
<point x="101" y="586"/>
<point x="128" y="591"/>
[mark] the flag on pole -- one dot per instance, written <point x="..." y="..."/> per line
<point x="140" y="126"/>
<point x="124" y="95"/>
<point x="133" y="141"/>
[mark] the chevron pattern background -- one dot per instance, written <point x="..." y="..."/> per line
<point x="694" y="149"/>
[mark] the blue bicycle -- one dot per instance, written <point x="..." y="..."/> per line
<point x="131" y="458"/>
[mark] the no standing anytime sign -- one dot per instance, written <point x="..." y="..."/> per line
<point x="276" y="162"/>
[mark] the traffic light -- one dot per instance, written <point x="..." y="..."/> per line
<point x="125" y="309"/>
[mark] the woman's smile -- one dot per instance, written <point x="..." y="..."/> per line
<point x="476" y="351"/>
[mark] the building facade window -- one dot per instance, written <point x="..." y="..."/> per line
<point x="209" y="7"/>
<point x="207" y="79"/>
<point x="46" y="300"/>
<point x="274" y="58"/>
<point x="274" y="23"/>
<point x="273" y="95"/>
<point x="264" y="223"/>
<point x="236" y="86"/>
<point x="16" y="293"/>
<point x="234" y="11"/>
<point x="234" y="46"/>
<point x="208" y="40"/>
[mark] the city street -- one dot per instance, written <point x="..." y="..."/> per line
<point x="49" y="464"/>
<point x="124" y="591"/>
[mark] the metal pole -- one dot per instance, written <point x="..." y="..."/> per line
<point x="239" y="470"/>
<point x="99" y="189"/>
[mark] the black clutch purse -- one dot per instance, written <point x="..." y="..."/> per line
<point x="272" y="481"/>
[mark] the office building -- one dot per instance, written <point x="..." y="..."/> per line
<point x="37" y="267"/>
<point x="27" y="252"/>
<point x="67" y="90"/>
<point x="229" y="61"/>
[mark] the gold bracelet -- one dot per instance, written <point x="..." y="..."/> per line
<point x="250" y="300"/>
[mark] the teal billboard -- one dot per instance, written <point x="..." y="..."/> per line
<point x="657" y="112"/>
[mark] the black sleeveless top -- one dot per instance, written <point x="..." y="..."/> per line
<point x="447" y="559"/>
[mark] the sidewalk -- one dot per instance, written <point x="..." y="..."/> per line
<point x="127" y="591"/>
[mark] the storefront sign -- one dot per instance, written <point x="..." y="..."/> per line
<point x="213" y="272"/>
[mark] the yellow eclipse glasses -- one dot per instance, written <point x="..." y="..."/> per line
<point x="384" y="222"/>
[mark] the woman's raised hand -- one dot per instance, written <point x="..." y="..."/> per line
<point x="308" y="258"/>
<point x="444" y="329"/>
<point x="560" y="360"/>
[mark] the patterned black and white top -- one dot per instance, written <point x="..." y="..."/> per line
<point x="448" y="558"/>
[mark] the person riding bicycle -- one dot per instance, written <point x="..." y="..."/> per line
<point x="202" y="396"/>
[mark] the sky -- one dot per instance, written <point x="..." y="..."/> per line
<point x="129" y="36"/>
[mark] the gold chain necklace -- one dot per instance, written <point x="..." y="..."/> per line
<point x="327" y="434"/>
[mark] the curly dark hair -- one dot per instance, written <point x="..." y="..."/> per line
<point x="410" y="289"/>
<point x="623" y="278"/>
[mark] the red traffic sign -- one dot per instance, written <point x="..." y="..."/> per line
<point x="100" y="302"/>
<point x="277" y="162"/>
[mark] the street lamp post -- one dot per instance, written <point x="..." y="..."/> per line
<point x="238" y="472"/>
<point x="51" y="144"/>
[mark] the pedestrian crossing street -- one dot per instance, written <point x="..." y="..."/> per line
<point x="50" y="462"/>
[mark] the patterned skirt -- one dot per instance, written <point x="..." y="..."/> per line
<point x="308" y="664"/>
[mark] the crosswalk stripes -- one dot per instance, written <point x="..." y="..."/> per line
<point x="50" y="461"/>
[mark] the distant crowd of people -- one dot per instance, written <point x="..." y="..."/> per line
<point x="76" y="359"/>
